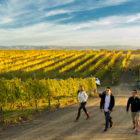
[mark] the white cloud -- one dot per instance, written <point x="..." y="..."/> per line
<point x="134" y="18"/>
<point x="14" y="9"/>
<point x="114" y="2"/>
<point x="56" y="12"/>
<point x="32" y="9"/>
<point x="106" y="31"/>
<point x="5" y="20"/>
<point x="109" y="22"/>
<point x="95" y="4"/>
<point x="63" y="19"/>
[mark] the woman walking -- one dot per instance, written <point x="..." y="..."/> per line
<point x="82" y="98"/>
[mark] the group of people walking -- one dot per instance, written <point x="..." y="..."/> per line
<point x="107" y="104"/>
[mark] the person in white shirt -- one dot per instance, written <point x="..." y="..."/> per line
<point x="82" y="98"/>
<point x="107" y="103"/>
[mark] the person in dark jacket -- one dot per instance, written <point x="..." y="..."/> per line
<point x="107" y="103"/>
<point x="134" y="101"/>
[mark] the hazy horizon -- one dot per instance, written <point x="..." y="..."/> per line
<point x="45" y="47"/>
<point x="70" y="23"/>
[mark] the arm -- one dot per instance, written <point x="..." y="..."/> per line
<point x="139" y="104"/>
<point x="77" y="92"/>
<point x="101" y="103"/>
<point x="78" y="99"/>
<point x="128" y="104"/>
<point x="102" y="94"/>
<point x="112" y="103"/>
<point x="85" y="96"/>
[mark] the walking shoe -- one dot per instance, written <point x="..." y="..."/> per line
<point x="87" y="116"/>
<point x="76" y="120"/>
<point x="78" y="116"/>
<point x="133" y="127"/>
<point x="105" y="129"/>
<point x="111" y="124"/>
<point x="136" y="132"/>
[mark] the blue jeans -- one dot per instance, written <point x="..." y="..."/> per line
<point x="108" y="119"/>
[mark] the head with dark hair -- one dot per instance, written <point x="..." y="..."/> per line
<point x="108" y="90"/>
<point x="81" y="88"/>
<point x="135" y="93"/>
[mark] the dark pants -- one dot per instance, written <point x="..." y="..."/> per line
<point x="108" y="119"/>
<point x="82" y="106"/>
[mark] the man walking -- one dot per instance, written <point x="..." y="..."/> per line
<point x="107" y="103"/>
<point x="135" y="107"/>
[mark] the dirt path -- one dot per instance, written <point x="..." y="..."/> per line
<point x="60" y="125"/>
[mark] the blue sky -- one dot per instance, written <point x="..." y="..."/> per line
<point x="70" y="22"/>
